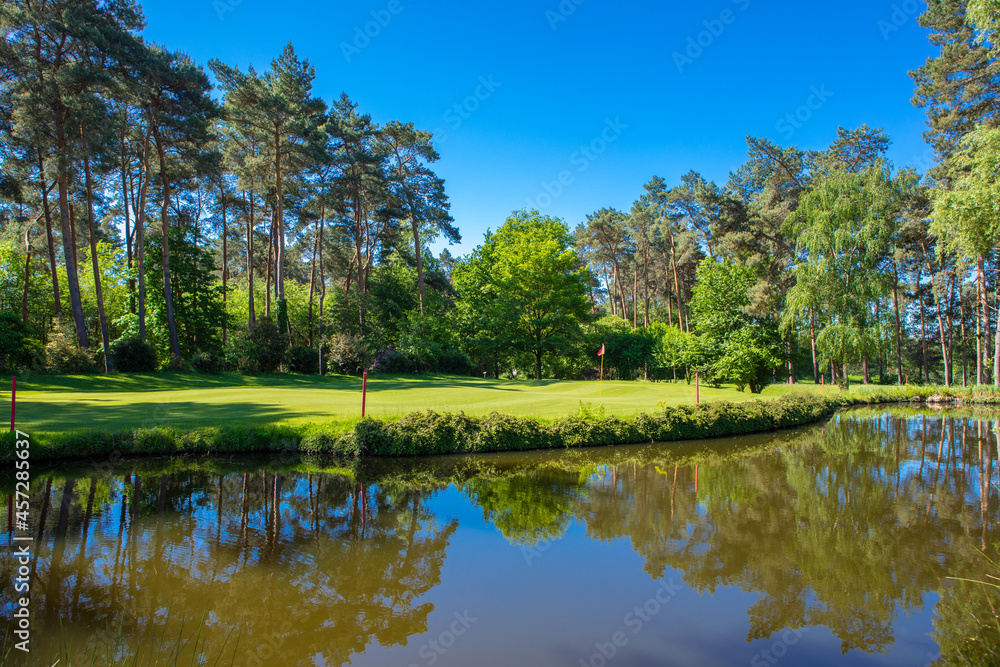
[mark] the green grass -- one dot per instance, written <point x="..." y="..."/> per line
<point x="66" y="404"/>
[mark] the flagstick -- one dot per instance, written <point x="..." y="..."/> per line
<point x="364" y="392"/>
<point x="601" y="392"/>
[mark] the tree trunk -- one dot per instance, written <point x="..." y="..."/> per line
<point x="677" y="283"/>
<point x="168" y="299"/>
<point x="943" y="334"/>
<point x="982" y="315"/>
<point x="312" y="287"/>
<point x="996" y="360"/>
<point x="252" y="317"/>
<point x="789" y="351"/>
<point x="538" y="364"/>
<point x="607" y="284"/>
<point x="98" y="292"/>
<point x="635" y="297"/>
<point x="279" y="219"/>
<point x="924" y="370"/>
<point x="140" y="234"/>
<point x="129" y="250"/>
<point x="812" y="340"/>
<point x="965" y="354"/>
<point x="47" y="211"/>
<point x="418" y="253"/>
<point x="270" y="260"/>
<point x="322" y="283"/>
<point x="670" y="306"/>
<point x="899" y="327"/>
<point x="645" y="282"/>
<point x="945" y="352"/>
<point x="69" y="248"/>
<point x="225" y="265"/>
<point x="27" y="276"/>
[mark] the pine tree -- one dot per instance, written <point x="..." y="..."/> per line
<point x="960" y="87"/>
<point x="277" y="107"/>
<point x="419" y="189"/>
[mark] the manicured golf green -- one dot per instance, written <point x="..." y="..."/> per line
<point x="59" y="404"/>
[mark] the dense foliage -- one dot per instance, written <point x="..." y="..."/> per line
<point x="260" y="228"/>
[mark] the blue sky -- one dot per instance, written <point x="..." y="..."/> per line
<point x="572" y="106"/>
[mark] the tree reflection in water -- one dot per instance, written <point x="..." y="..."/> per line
<point x="847" y="526"/>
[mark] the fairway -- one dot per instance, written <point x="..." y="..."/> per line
<point x="53" y="404"/>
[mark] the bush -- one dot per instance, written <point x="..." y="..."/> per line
<point x="207" y="363"/>
<point x="17" y="350"/>
<point x="133" y="355"/>
<point x="176" y="364"/>
<point x="241" y="355"/>
<point x="63" y="356"/>
<point x="302" y="359"/>
<point x="425" y="359"/>
<point x="349" y="354"/>
<point x="396" y="361"/>
<point x="270" y="343"/>
<point x="453" y="360"/>
<point x="260" y="350"/>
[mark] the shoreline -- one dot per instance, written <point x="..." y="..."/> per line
<point x="431" y="433"/>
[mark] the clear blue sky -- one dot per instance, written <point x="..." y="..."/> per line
<point x="562" y="74"/>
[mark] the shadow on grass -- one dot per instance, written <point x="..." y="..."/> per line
<point x="67" y="417"/>
<point x="153" y="382"/>
<point x="150" y="382"/>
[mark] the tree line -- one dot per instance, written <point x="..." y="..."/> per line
<point x="812" y="261"/>
<point x="152" y="218"/>
<point x="114" y="147"/>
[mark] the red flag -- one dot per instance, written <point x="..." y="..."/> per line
<point x="601" y="353"/>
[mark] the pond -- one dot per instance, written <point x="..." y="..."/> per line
<point x="830" y="545"/>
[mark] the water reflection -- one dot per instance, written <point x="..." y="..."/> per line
<point x="854" y="526"/>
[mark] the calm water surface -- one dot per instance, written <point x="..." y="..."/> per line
<point x="825" y="546"/>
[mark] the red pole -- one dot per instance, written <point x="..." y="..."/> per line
<point x="697" y="388"/>
<point x="822" y="383"/>
<point x="10" y="498"/>
<point x="364" y="393"/>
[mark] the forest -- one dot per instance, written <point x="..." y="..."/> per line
<point x="159" y="214"/>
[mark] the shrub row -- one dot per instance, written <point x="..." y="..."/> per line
<point x="429" y="433"/>
<point x="432" y="433"/>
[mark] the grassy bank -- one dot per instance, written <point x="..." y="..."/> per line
<point x="63" y="404"/>
<point x="443" y="433"/>
<point x="972" y="395"/>
<point x="458" y="432"/>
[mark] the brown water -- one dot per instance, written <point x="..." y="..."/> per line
<point x="824" y="546"/>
